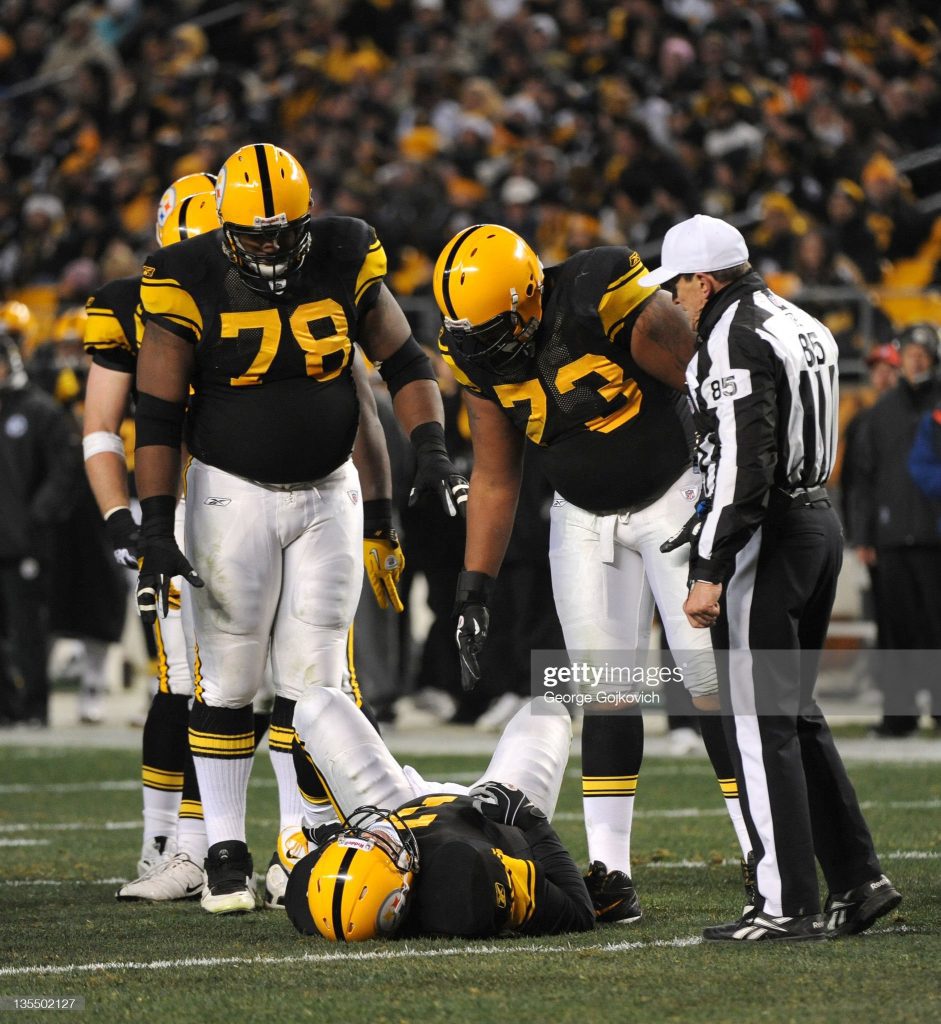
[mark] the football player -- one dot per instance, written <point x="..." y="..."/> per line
<point x="586" y="364"/>
<point x="174" y="843"/>
<point x="447" y="860"/>
<point x="260" y="319"/>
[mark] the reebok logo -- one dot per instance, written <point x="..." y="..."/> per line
<point x="218" y="501"/>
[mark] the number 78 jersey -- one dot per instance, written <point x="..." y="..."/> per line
<point x="274" y="399"/>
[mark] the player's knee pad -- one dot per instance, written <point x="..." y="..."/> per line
<point x="312" y="705"/>
<point x="230" y="696"/>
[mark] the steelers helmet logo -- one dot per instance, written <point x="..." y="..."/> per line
<point x="220" y="186"/>
<point x="166" y="206"/>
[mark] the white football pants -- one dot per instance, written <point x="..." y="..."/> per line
<point x="358" y="769"/>
<point x="280" y="564"/>
<point x="607" y="572"/>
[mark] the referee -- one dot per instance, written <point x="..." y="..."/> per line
<point x="763" y="386"/>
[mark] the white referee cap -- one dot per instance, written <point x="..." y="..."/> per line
<point x="699" y="245"/>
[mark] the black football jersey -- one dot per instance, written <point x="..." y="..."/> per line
<point x="274" y="398"/>
<point x="524" y="882"/>
<point x="114" y="328"/>
<point x="609" y="434"/>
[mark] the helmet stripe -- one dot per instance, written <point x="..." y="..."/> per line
<point x="264" y="177"/>
<point x="445" y="276"/>
<point x="184" y="230"/>
<point x="337" y="907"/>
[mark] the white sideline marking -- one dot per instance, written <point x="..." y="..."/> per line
<point x="319" y="958"/>
<point x="24" y="842"/>
<point x="71" y="826"/>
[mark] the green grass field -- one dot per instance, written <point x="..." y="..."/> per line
<point x="69" y="834"/>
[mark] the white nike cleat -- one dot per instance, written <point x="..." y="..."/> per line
<point x="175" y="878"/>
<point x="153" y="852"/>
<point x="292" y="846"/>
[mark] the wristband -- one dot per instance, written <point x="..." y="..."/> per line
<point x="157" y="515"/>
<point x="377" y="517"/>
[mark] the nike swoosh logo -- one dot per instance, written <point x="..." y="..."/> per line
<point x="611" y="906"/>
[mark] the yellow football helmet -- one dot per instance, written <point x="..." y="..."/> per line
<point x="195" y="215"/>
<point x="69" y="326"/>
<point x="488" y="286"/>
<point x="263" y="199"/>
<point x="19" y="322"/>
<point x="357" y="885"/>
<point x="182" y="188"/>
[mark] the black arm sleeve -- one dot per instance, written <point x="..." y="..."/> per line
<point x="562" y="903"/>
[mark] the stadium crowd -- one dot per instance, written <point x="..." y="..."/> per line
<point x="575" y="123"/>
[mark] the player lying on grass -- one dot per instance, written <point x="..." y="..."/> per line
<point x="448" y="860"/>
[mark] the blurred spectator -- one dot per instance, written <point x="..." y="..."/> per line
<point x="883" y="370"/>
<point x="851" y="233"/>
<point x="79" y="44"/>
<point x="896" y="222"/>
<point x="39" y="468"/>
<point x="897" y="529"/>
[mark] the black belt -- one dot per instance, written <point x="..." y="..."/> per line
<point x="803" y="497"/>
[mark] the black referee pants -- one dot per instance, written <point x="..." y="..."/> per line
<point x="796" y="797"/>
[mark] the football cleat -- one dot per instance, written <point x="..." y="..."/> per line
<point x="292" y="846"/>
<point x="612" y="895"/>
<point x="852" y="912"/>
<point x="153" y="852"/>
<point x="173" y="878"/>
<point x="229" y="883"/>
<point x="756" y="926"/>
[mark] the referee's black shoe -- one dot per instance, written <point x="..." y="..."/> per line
<point x="852" y="912"/>
<point x="612" y="895"/>
<point x="756" y="926"/>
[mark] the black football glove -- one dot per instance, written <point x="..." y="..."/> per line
<point x="474" y="592"/>
<point x="504" y="803"/>
<point x="161" y="558"/>
<point x="435" y="473"/>
<point x="690" y="530"/>
<point x="124" y="537"/>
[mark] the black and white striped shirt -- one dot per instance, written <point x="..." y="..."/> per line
<point x="764" y="392"/>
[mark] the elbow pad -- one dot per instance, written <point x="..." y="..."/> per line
<point x="409" y="363"/>
<point x="159" y="421"/>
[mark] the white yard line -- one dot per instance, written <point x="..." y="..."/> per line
<point x="476" y="950"/>
<point x="322" y="958"/>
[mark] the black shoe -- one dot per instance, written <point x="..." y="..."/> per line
<point x="852" y="912"/>
<point x="749" y="882"/>
<point x="230" y="879"/>
<point x="612" y="895"/>
<point x="757" y="926"/>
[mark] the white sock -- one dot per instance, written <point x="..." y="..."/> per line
<point x="223" y="788"/>
<point x="290" y="802"/>
<point x="608" y="822"/>
<point x="160" y="812"/>
<point x="191" y="838"/>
